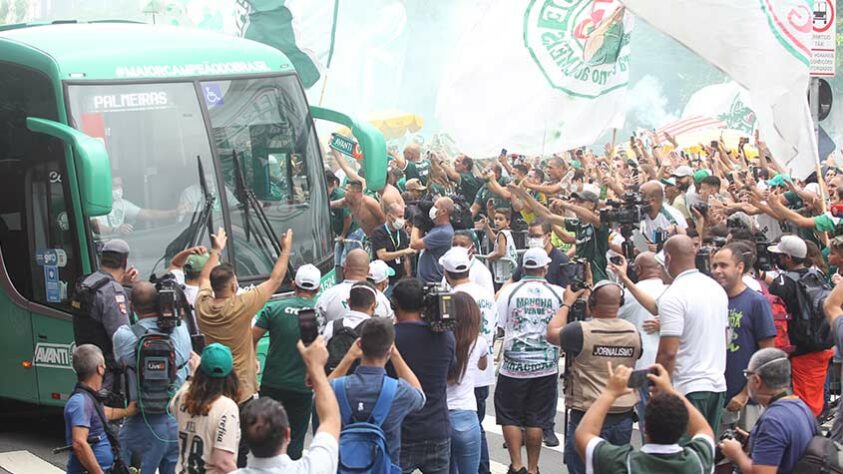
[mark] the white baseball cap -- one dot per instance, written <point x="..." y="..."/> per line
<point x="683" y="171"/>
<point x="790" y="245"/>
<point x="536" y="258"/>
<point x="308" y="277"/>
<point x="455" y="260"/>
<point x="379" y="271"/>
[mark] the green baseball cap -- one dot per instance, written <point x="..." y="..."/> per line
<point x="217" y="361"/>
<point x="196" y="262"/>
<point x="778" y="180"/>
<point x="700" y="175"/>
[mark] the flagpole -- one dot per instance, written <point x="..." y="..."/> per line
<point x="324" y="87"/>
<point x="614" y="138"/>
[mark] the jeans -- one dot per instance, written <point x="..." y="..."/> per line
<point x="429" y="457"/>
<point x="465" y="441"/>
<point x="552" y="426"/>
<point x="481" y="394"/>
<point x="243" y="448"/>
<point x="358" y="235"/>
<point x="617" y="430"/>
<point x="154" y="442"/>
<point x="641" y="409"/>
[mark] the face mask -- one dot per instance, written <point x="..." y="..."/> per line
<point x="433" y="212"/>
<point x="398" y="224"/>
<point x="535" y="243"/>
<point x="117" y="194"/>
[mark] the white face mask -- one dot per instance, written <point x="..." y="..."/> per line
<point x="433" y="212"/>
<point x="117" y="194"/>
<point x="535" y="243"/>
<point x="398" y="224"/>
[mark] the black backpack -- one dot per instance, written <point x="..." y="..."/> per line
<point x="339" y="344"/>
<point x="823" y="456"/>
<point x="155" y="370"/>
<point x="809" y="330"/>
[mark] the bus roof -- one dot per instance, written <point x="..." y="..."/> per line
<point x="123" y="50"/>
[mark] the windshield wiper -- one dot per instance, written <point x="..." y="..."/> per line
<point x="201" y="219"/>
<point x="250" y="203"/>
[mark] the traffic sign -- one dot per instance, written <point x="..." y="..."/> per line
<point x="824" y="41"/>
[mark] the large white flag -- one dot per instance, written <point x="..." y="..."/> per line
<point x="537" y="76"/>
<point x="763" y="45"/>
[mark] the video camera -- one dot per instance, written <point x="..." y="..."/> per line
<point x="631" y="209"/>
<point x="173" y="308"/>
<point x="438" y="312"/>
<point x="703" y="258"/>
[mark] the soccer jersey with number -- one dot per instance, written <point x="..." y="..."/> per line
<point x="200" y="435"/>
<point x="524" y="309"/>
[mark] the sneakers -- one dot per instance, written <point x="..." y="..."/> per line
<point x="523" y="470"/>
<point x="550" y="439"/>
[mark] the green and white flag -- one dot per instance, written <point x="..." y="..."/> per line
<point x="764" y="46"/>
<point x="728" y="102"/>
<point x="537" y="76"/>
<point x="303" y="29"/>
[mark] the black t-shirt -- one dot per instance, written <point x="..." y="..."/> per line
<point x="430" y="355"/>
<point x="558" y="272"/>
<point x="391" y="241"/>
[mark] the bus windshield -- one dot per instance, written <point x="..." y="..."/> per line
<point x="158" y="145"/>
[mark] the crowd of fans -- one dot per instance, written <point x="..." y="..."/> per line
<point x="693" y="294"/>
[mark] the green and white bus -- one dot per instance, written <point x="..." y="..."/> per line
<point x="196" y="130"/>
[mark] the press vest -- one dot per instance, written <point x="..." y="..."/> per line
<point x="604" y="340"/>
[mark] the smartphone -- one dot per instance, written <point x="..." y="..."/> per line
<point x="308" y="326"/>
<point x="638" y="378"/>
<point x="714" y="144"/>
<point x="730" y="178"/>
<point x="616" y="259"/>
<point x="503" y="151"/>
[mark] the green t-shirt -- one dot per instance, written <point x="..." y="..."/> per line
<point x="484" y="194"/>
<point x="338" y="215"/>
<point x="469" y="186"/>
<point x="592" y="245"/>
<point x="417" y="170"/>
<point x="826" y="223"/>
<point x="695" y="457"/>
<point x="284" y="368"/>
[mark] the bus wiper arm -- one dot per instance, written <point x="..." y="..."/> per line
<point x="250" y="204"/>
<point x="202" y="216"/>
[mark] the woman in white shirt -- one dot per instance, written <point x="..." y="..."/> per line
<point x="471" y="352"/>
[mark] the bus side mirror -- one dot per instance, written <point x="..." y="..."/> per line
<point x="93" y="165"/>
<point x="371" y="143"/>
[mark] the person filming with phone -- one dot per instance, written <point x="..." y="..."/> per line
<point x="595" y="344"/>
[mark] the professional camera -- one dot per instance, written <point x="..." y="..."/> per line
<point x="703" y="260"/>
<point x="631" y="209"/>
<point x="763" y="257"/>
<point x="728" y="434"/>
<point x="702" y="208"/>
<point x="438" y="312"/>
<point x="173" y="308"/>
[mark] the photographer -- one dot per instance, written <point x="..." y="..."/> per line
<point x="86" y="419"/>
<point x="151" y="434"/>
<point x="595" y="344"/>
<point x="782" y="434"/>
<point x="435" y="242"/>
<point x="669" y="417"/>
<point x="425" y="434"/>
<point x="284" y="372"/>
<point x="527" y="382"/>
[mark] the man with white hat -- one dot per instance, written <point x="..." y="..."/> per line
<point x="810" y="357"/>
<point x="284" y="372"/>
<point x="528" y="378"/>
<point x="379" y="275"/>
<point x="457" y="265"/>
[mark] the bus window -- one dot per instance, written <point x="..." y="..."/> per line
<point x="36" y="228"/>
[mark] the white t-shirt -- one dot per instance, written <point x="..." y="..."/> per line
<point x="190" y="291"/>
<point x="351" y="319"/>
<point x="480" y="274"/>
<point x="461" y="395"/>
<point x="322" y="457"/>
<point x="489" y="316"/>
<point x="333" y="303"/>
<point x="122" y="212"/>
<point x="636" y="314"/>
<point x="200" y="435"/>
<point x="649" y="226"/>
<point x="695" y="308"/>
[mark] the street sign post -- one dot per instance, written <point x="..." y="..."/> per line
<point x="824" y="41"/>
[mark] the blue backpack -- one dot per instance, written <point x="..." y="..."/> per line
<point x="363" y="443"/>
